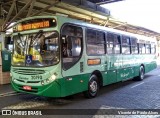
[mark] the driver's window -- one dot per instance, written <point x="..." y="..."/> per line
<point x="71" y="45"/>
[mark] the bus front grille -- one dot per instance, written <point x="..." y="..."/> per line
<point x="31" y="82"/>
<point x="28" y="71"/>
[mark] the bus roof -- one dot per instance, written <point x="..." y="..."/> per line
<point x="86" y="24"/>
<point x="82" y="23"/>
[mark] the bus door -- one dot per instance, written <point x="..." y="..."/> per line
<point x="113" y="57"/>
<point x="127" y="59"/>
<point x="113" y="65"/>
<point x="72" y="61"/>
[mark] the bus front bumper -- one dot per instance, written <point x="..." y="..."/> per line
<point x="50" y="90"/>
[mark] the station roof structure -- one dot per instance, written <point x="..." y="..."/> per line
<point x="13" y="10"/>
<point x="104" y="1"/>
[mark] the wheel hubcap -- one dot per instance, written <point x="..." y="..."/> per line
<point x="93" y="86"/>
<point x="142" y="74"/>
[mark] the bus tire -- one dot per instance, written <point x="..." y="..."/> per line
<point x="93" y="87"/>
<point x="140" y="77"/>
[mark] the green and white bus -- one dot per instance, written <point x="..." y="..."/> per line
<point x="56" y="56"/>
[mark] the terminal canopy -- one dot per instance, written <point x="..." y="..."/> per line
<point x="104" y="1"/>
<point x="88" y="11"/>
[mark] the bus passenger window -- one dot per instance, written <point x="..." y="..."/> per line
<point x="134" y="46"/>
<point x="113" y="43"/>
<point x="153" y="48"/>
<point x="110" y="40"/>
<point x="117" y="44"/>
<point x="142" y="49"/>
<point x="148" y="48"/>
<point x="95" y="42"/>
<point x="126" y="45"/>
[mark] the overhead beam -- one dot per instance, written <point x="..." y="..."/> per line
<point x="9" y="14"/>
<point x="46" y="8"/>
<point x="16" y="7"/>
<point x="105" y="22"/>
<point x="99" y="2"/>
<point x="31" y="8"/>
<point x="77" y="12"/>
<point x="19" y="13"/>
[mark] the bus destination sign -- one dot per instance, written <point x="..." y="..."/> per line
<point x="35" y="24"/>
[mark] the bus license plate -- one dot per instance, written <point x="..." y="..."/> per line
<point x="27" y="88"/>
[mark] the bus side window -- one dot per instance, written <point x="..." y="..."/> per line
<point x="66" y="46"/>
<point x="153" y="48"/>
<point x="148" y="48"/>
<point x="95" y="42"/>
<point x="117" y="44"/>
<point x="126" y="45"/>
<point x="76" y="50"/>
<point x="113" y="43"/>
<point x="71" y="45"/>
<point x="134" y="46"/>
<point x="142" y="49"/>
<point x="110" y="41"/>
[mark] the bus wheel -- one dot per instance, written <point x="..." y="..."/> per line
<point x="93" y="87"/>
<point x="141" y="74"/>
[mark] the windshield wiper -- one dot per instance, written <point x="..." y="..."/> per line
<point x="38" y="35"/>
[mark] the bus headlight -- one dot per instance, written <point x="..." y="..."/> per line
<point x="52" y="78"/>
<point x="42" y="82"/>
<point x="46" y="81"/>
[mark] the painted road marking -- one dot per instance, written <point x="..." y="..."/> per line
<point x="7" y="93"/>
<point x="109" y="107"/>
<point x="27" y="105"/>
<point x="10" y="94"/>
<point x="137" y="85"/>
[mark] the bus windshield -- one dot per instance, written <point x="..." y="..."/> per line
<point x="36" y="49"/>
